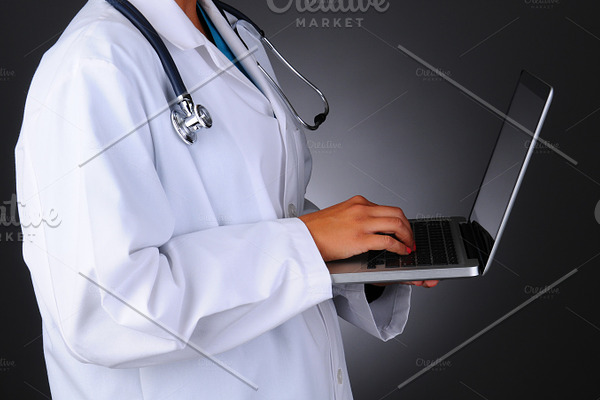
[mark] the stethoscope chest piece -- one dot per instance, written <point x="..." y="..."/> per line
<point x="189" y="118"/>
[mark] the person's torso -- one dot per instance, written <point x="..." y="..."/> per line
<point x="241" y="170"/>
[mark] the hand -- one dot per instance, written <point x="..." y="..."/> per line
<point x="355" y="226"/>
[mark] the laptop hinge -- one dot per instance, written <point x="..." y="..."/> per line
<point x="478" y="242"/>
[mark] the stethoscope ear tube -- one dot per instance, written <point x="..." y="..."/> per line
<point x="188" y="117"/>
<point x="319" y="119"/>
<point x="238" y="15"/>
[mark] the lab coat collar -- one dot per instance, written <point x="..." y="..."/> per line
<point x="171" y="23"/>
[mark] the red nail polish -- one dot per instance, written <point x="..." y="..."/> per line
<point x="414" y="247"/>
<point x="408" y="249"/>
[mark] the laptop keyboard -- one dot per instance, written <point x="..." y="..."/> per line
<point x="434" y="247"/>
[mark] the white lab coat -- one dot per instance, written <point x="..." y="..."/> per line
<point x="152" y="251"/>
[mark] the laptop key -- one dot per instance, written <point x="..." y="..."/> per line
<point x="392" y="262"/>
<point x="408" y="260"/>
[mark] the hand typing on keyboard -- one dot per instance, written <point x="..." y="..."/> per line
<point x="351" y="227"/>
<point x="355" y="226"/>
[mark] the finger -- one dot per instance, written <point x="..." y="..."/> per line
<point x="391" y="225"/>
<point x="385" y="242"/>
<point x="430" y="284"/>
<point x="387" y="211"/>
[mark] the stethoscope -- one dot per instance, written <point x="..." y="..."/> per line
<point x="188" y="118"/>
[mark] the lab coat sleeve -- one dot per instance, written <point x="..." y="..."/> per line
<point x="121" y="287"/>
<point x="383" y="318"/>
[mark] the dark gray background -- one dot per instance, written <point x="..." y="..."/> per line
<point x="401" y="138"/>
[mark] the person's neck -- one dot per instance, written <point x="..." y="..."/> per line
<point x="189" y="8"/>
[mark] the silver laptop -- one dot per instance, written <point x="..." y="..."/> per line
<point x="458" y="247"/>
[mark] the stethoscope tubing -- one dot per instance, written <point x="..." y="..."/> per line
<point x="144" y="26"/>
<point x="188" y="118"/>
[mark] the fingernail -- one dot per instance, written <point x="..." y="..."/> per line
<point x="408" y="250"/>
<point x="414" y="247"/>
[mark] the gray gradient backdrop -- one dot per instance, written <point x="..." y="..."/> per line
<point x="401" y="136"/>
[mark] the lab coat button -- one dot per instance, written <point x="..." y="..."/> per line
<point x="292" y="212"/>
<point x="340" y="376"/>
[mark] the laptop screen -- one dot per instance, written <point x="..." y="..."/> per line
<point x="510" y="153"/>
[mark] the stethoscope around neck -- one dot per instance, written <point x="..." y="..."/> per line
<point x="187" y="117"/>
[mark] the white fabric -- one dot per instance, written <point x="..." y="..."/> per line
<point x="166" y="250"/>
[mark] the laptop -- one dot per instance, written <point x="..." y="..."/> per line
<point x="459" y="247"/>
